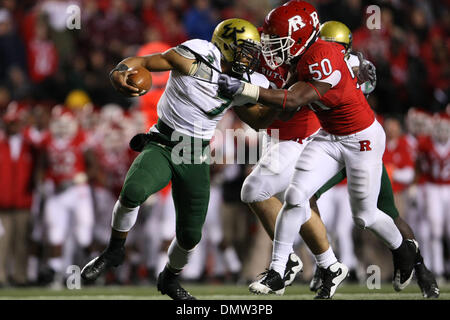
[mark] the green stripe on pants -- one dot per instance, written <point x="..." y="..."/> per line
<point x="385" y="198"/>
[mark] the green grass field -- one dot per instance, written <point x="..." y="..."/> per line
<point x="214" y="292"/>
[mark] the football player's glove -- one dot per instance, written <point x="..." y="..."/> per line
<point x="229" y="86"/>
<point x="367" y="70"/>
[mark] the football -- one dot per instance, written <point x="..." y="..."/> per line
<point x="141" y="80"/>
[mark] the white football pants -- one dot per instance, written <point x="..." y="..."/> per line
<point x="361" y="153"/>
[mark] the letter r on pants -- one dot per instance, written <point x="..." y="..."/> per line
<point x="365" y="145"/>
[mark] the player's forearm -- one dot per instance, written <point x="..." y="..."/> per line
<point x="154" y="62"/>
<point x="290" y="100"/>
<point x="256" y="116"/>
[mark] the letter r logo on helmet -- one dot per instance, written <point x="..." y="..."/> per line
<point x="295" y="23"/>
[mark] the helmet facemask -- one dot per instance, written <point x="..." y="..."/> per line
<point x="277" y="50"/>
<point x="246" y="57"/>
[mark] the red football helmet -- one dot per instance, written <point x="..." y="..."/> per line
<point x="418" y="121"/>
<point x="288" y="31"/>
<point x="441" y="127"/>
<point x="63" y="123"/>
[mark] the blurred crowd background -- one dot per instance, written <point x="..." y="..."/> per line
<point x="64" y="136"/>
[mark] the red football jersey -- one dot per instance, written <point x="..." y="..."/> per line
<point x="398" y="156"/>
<point x="436" y="158"/>
<point x="65" y="157"/>
<point x="114" y="165"/>
<point x="304" y="123"/>
<point x="343" y="109"/>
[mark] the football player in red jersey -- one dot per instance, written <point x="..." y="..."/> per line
<point x="263" y="190"/>
<point x="350" y="137"/>
<point x="66" y="170"/>
<point x="435" y="152"/>
<point x="398" y="160"/>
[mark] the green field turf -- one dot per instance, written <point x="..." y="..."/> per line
<point x="214" y="292"/>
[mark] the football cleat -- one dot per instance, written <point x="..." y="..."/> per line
<point x="331" y="278"/>
<point x="293" y="266"/>
<point x="426" y="281"/>
<point x="168" y="284"/>
<point x="270" y="282"/>
<point x="99" y="265"/>
<point x="404" y="260"/>
<point x="316" y="280"/>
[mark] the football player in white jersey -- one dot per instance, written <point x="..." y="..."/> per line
<point x="188" y="112"/>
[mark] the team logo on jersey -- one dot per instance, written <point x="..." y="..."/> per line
<point x="231" y="33"/>
<point x="365" y="145"/>
<point x="210" y="58"/>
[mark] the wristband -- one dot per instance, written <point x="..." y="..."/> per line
<point x="251" y="92"/>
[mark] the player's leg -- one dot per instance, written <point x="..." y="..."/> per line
<point x="313" y="168"/>
<point x="166" y="231"/>
<point x="190" y="191"/>
<point x="386" y="203"/>
<point x="149" y="173"/>
<point x="436" y="218"/>
<point x="363" y="153"/>
<point x="344" y="229"/>
<point x="270" y="177"/>
<point x="316" y="281"/>
<point x="84" y="216"/>
<point x="56" y="221"/>
<point x="446" y="208"/>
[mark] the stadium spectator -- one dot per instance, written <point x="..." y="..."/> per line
<point x="200" y="20"/>
<point x="16" y="172"/>
<point x="12" y="57"/>
<point x="398" y="161"/>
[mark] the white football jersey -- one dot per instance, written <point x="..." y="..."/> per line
<point x="191" y="105"/>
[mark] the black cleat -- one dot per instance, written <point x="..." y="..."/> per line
<point x="331" y="278"/>
<point x="168" y="284"/>
<point x="404" y="261"/>
<point x="99" y="265"/>
<point x="293" y="266"/>
<point x="270" y="282"/>
<point x="426" y="281"/>
<point x="316" y="280"/>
